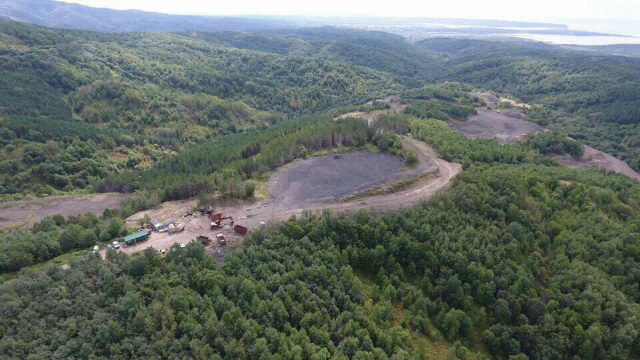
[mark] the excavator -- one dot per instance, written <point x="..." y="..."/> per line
<point x="217" y="219"/>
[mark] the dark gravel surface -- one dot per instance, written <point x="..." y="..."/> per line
<point x="335" y="176"/>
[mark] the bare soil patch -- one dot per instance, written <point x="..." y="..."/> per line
<point x="597" y="158"/>
<point x="327" y="178"/>
<point x="506" y="126"/>
<point x="28" y="212"/>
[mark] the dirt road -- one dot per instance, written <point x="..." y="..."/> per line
<point x="28" y="212"/>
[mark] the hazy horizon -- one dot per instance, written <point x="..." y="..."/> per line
<point x="616" y="16"/>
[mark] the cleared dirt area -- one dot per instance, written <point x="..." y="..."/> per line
<point x="395" y="106"/>
<point x="506" y="125"/>
<point x="28" y="212"/>
<point x="314" y="185"/>
<point x="493" y="100"/>
<point x="331" y="177"/>
<point x="597" y="158"/>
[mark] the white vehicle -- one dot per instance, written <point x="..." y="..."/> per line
<point x="116" y="245"/>
<point x="96" y="249"/>
<point x="183" y="246"/>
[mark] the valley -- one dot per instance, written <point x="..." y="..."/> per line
<point x="466" y="198"/>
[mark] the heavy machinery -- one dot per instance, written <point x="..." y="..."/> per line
<point x="217" y="219"/>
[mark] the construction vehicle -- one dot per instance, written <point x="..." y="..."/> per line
<point x="221" y="239"/>
<point x="205" y="240"/>
<point x="217" y="220"/>
<point x="240" y="229"/>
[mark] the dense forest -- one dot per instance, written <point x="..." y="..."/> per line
<point x="130" y="100"/>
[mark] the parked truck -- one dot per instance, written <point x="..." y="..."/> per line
<point x="240" y="229"/>
<point x="221" y="239"/>
<point x="204" y="239"/>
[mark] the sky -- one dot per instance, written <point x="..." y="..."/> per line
<point x="616" y="16"/>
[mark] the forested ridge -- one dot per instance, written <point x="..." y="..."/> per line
<point x="145" y="97"/>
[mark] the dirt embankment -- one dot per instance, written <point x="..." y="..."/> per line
<point x="28" y="212"/>
<point x="597" y="158"/>
<point x="314" y="185"/>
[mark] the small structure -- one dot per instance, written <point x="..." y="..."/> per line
<point x="262" y="225"/>
<point x="155" y="225"/>
<point x="140" y="236"/>
<point x="161" y="226"/>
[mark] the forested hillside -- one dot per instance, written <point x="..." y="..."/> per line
<point x="62" y="14"/>
<point x="129" y="100"/>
